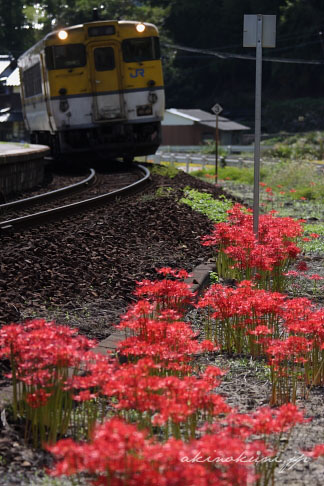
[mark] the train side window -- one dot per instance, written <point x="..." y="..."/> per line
<point x="32" y="81"/>
<point x="65" y="56"/>
<point x="141" y="49"/>
<point x="104" y="58"/>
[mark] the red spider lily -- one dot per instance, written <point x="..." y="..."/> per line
<point x="318" y="451"/>
<point x="260" y="331"/>
<point x="37" y="399"/>
<point x="39" y="345"/>
<point x="296" y="314"/>
<point x="115" y="451"/>
<point x="293" y="349"/>
<point x="265" y="421"/>
<point x="269" y="421"/>
<point x="238" y="310"/>
<point x="120" y="454"/>
<point x="302" y="266"/>
<point x="41" y="353"/>
<point x="166" y="294"/>
<point x="292" y="273"/>
<point x="139" y="387"/>
<point x="288" y="360"/>
<point x="140" y="314"/>
<point x="239" y="249"/>
<point x="174" y="272"/>
<point x="315" y="276"/>
<point x="96" y="369"/>
<point x="165" y="341"/>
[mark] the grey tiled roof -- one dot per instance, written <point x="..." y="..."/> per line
<point x="209" y="119"/>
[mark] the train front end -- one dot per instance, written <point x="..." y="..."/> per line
<point x="102" y="87"/>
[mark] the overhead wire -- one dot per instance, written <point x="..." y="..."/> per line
<point x="227" y="55"/>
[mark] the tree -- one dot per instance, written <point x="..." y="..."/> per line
<point x="60" y="14"/>
<point x="15" y="32"/>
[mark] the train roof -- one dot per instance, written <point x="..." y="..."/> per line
<point x="123" y="23"/>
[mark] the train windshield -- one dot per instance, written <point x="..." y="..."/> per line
<point x="141" y="49"/>
<point x="66" y="56"/>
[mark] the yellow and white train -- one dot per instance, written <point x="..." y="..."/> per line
<point x="95" y="87"/>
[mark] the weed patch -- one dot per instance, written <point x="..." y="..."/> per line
<point x="162" y="170"/>
<point x="215" y="210"/>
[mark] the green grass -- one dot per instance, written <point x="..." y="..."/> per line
<point x="296" y="179"/>
<point x="202" y="202"/>
<point x="317" y="244"/>
<point x="235" y="174"/>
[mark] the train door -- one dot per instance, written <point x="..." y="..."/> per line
<point x="106" y="82"/>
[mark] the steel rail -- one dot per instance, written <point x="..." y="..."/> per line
<point x="50" y="215"/>
<point x="47" y="196"/>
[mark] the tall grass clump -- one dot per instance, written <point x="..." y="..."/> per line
<point x="302" y="176"/>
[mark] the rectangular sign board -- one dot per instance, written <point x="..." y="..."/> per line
<point x="268" y="31"/>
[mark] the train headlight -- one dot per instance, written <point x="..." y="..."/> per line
<point x="140" y="28"/>
<point x="62" y="34"/>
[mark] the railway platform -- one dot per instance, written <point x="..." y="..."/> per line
<point x="21" y="167"/>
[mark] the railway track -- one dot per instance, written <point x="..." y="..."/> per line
<point x="51" y="195"/>
<point x="117" y="185"/>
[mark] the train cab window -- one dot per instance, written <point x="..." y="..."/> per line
<point x="66" y="56"/>
<point x="141" y="49"/>
<point x="104" y="58"/>
<point x="32" y="81"/>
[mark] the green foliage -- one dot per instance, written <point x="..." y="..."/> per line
<point x="214" y="278"/>
<point x="202" y="202"/>
<point x="163" y="170"/>
<point x="210" y="148"/>
<point x="23" y="23"/>
<point x="307" y="146"/>
<point x="315" y="244"/>
<point x="164" y="191"/>
<point x="15" y="32"/>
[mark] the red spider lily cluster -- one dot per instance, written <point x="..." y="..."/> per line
<point x="41" y="355"/>
<point x="168" y="425"/>
<point x="259" y="323"/>
<point x="241" y="255"/>
<point x="119" y="454"/>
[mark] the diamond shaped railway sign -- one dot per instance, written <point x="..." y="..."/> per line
<point x="217" y="109"/>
